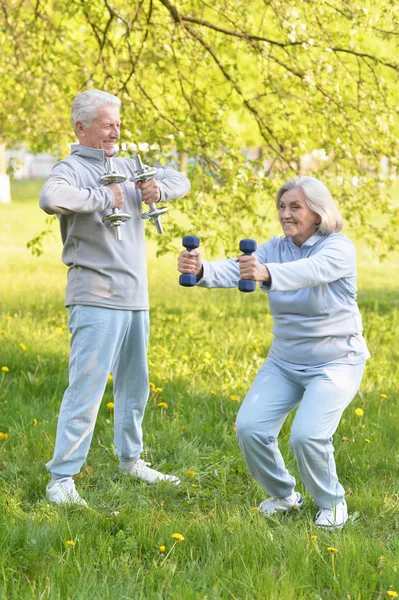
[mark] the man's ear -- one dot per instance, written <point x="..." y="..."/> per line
<point x="79" y="128"/>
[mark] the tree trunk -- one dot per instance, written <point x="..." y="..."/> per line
<point x="183" y="162"/>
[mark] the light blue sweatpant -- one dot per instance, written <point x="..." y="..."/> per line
<point x="103" y="341"/>
<point x="321" y="394"/>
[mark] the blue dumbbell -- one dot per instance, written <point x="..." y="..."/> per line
<point x="190" y="242"/>
<point x="247" y="247"/>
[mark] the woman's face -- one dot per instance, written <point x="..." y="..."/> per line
<point x="298" y="221"/>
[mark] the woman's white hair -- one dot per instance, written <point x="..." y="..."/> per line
<point x="86" y="104"/>
<point x="319" y="199"/>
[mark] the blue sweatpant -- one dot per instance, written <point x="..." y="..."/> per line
<point x="321" y="395"/>
<point x="103" y="341"/>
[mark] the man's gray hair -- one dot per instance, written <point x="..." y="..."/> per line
<point x="86" y="104"/>
<point x="319" y="199"/>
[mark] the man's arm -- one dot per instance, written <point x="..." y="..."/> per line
<point x="61" y="195"/>
<point x="172" y="184"/>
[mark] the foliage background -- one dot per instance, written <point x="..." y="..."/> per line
<point x="202" y="81"/>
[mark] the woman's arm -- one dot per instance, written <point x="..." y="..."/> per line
<point x="337" y="259"/>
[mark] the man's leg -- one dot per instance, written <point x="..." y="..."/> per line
<point x="131" y="391"/>
<point x="97" y="334"/>
<point x="131" y="388"/>
<point x="273" y="395"/>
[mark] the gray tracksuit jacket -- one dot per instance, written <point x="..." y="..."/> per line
<point x="103" y="271"/>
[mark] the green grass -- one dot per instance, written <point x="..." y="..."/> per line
<point x="205" y="347"/>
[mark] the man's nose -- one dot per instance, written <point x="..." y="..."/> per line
<point x="115" y="133"/>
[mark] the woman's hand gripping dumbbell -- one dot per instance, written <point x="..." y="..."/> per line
<point x="251" y="270"/>
<point x="189" y="262"/>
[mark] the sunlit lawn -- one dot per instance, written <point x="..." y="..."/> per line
<point x="205" y="348"/>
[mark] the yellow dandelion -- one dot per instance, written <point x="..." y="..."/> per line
<point x="345" y="439"/>
<point x="314" y="538"/>
<point x="58" y="330"/>
<point x="234" y="398"/>
<point x="158" y="390"/>
<point x="383" y="396"/>
<point x="190" y="474"/>
<point x="22" y="345"/>
<point x="392" y="594"/>
<point x="359" y="412"/>
<point x="109" y="378"/>
<point x="2" y="435"/>
<point x="9" y="318"/>
<point x="162" y="549"/>
<point x="255" y="509"/>
<point x="178" y="537"/>
<point x="89" y="470"/>
<point x="34" y="422"/>
<point x="194" y="485"/>
<point x="5" y="369"/>
<point x="185" y="357"/>
<point x="213" y="393"/>
<point x="207" y="355"/>
<point x="367" y="441"/>
<point x="110" y="405"/>
<point x="70" y="543"/>
<point x="3" y="332"/>
<point x="152" y="386"/>
<point x="332" y="550"/>
<point x="162" y="405"/>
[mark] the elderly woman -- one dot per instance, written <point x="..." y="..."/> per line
<point x="317" y="358"/>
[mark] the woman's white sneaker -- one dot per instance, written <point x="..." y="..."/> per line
<point x="63" y="491"/>
<point x="141" y="469"/>
<point x="332" y="518"/>
<point x="271" y="506"/>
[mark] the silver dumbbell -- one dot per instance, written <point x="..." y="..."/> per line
<point x="116" y="218"/>
<point x="144" y="173"/>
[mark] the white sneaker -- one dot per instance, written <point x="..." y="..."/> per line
<point x="63" y="491"/>
<point x="332" y="518"/>
<point x="141" y="469"/>
<point x="271" y="506"/>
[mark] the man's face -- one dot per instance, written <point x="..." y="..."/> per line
<point x="103" y="131"/>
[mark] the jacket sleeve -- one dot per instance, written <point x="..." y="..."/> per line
<point x="337" y="259"/>
<point x="226" y="273"/>
<point x="61" y="195"/>
<point x="172" y="184"/>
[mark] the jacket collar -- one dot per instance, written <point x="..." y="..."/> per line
<point x="309" y="242"/>
<point x="89" y="153"/>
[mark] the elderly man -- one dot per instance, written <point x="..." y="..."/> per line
<point x="106" y="293"/>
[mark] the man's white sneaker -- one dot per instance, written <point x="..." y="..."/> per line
<point x="63" y="491"/>
<point x="332" y="518"/>
<point x="141" y="469"/>
<point x="271" y="506"/>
